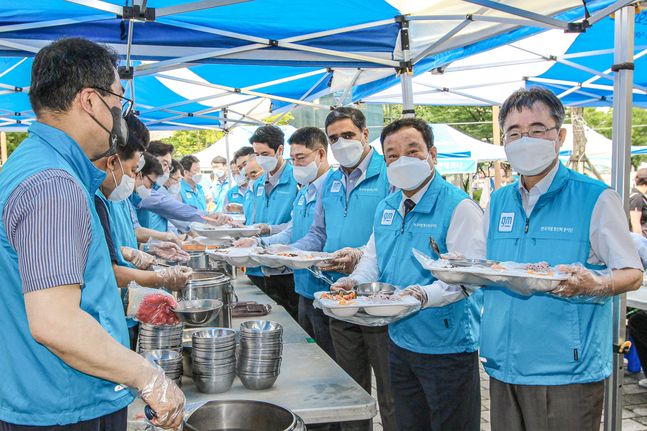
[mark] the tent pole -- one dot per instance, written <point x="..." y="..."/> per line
<point x="620" y="159"/>
<point x="496" y="140"/>
<point x="226" y="129"/>
<point x="406" y="70"/>
<point x="3" y="146"/>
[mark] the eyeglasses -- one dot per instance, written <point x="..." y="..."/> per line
<point x="302" y="157"/>
<point x="537" y="131"/>
<point x="126" y="103"/>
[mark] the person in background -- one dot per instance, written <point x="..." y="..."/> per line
<point x="172" y="186"/>
<point x="343" y="222"/>
<point x="61" y="315"/>
<point x="220" y="185"/>
<point x="309" y="153"/>
<point x="433" y="354"/>
<point x="236" y="195"/>
<point x="638" y="204"/>
<point x="272" y="195"/>
<point x="548" y="354"/>
<point x="637" y="321"/>
<point x="190" y="188"/>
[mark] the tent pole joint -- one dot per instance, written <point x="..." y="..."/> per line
<point x="629" y="65"/>
<point x="404" y="67"/>
<point x="135" y="12"/>
<point x="126" y="72"/>
<point x="273" y="42"/>
<point x="577" y="27"/>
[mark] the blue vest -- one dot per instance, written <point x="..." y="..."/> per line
<point x="37" y="387"/>
<point x="449" y="329"/>
<point x="303" y="214"/>
<point x="122" y="230"/>
<point x="147" y="218"/>
<point x="219" y="191"/>
<point x="234" y="196"/>
<point x="274" y="208"/>
<point x="543" y="339"/>
<point x="349" y="222"/>
<point x="196" y="198"/>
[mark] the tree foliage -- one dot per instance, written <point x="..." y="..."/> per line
<point x="188" y="142"/>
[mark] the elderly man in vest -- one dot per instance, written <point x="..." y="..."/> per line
<point x="548" y="354"/>
<point x="64" y="356"/>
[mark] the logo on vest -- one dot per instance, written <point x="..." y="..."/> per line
<point x="387" y="217"/>
<point x="188" y="195"/>
<point x="506" y="222"/>
<point x="336" y="186"/>
<point x="259" y="191"/>
<point x="302" y="199"/>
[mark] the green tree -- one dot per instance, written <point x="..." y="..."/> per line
<point x="284" y="119"/>
<point x="602" y="122"/>
<point x="188" y="142"/>
<point x="13" y="140"/>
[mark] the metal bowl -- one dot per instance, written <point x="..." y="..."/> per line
<point x="216" y="384"/>
<point x="253" y="328"/>
<point x="367" y="289"/>
<point x="213" y="335"/>
<point x="244" y="415"/>
<point x="198" y="311"/>
<point x="257" y="383"/>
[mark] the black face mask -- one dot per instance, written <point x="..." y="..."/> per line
<point x="118" y="136"/>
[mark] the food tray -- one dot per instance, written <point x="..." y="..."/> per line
<point x="234" y="256"/>
<point x="217" y="232"/>
<point x="302" y="260"/>
<point x="514" y="278"/>
<point x="362" y="311"/>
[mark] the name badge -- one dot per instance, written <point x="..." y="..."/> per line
<point x="302" y="199"/>
<point x="188" y="195"/>
<point x="506" y="221"/>
<point x="336" y="186"/>
<point x="259" y="191"/>
<point x="387" y="217"/>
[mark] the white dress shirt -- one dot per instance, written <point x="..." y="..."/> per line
<point x="463" y="236"/>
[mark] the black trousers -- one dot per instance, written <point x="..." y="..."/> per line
<point x="638" y="332"/>
<point x="117" y="421"/>
<point x="281" y="289"/>
<point x="316" y="324"/>
<point x="436" y="392"/>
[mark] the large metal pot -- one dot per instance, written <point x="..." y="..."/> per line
<point x="244" y="415"/>
<point x="211" y="285"/>
<point x="199" y="260"/>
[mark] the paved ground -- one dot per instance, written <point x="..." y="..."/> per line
<point x="634" y="415"/>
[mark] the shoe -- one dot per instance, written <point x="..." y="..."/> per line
<point x="643" y="383"/>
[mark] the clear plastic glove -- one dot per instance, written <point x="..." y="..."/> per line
<point x="163" y="396"/>
<point x="417" y="292"/>
<point x="172" y="237"/>
<point x="217" y="219"/>
<point x="344" y="283"/>
<point x="234" y="208"/>
<point x="140" y="259"/>
<point x="584" y="282"/>
<point x="173" y="277"/>
<point x="246" y="242"/>
<point x="264" y="228"/>
<point x="167" y="250"/>
<point x="344" y="260"/>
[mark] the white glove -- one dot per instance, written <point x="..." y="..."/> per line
<point x="167" y="250"/>
<point x="583" y="282"/>
<point x="163" y="396"/>
<point x="417" y="292"/>
<point x="140" y="259"/>
<point x="344" y="283"/>
<point x="344" y="260"/>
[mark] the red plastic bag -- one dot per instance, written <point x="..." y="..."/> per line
<point x="157" y="309"/>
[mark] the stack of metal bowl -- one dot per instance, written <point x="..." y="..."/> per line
<point x="156" y="337"/>
<point x="169" y="360"/>
<point x="213" y="355"/>
<point x="259" y="355"/>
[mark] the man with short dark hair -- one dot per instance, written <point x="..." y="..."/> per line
<point x="638" y="204"/>
<point x="190" y="187"/>
<point x="64" y="360"/>
<point x="272" y="196"/>
<point x="548" y="354"/>
<point x="220" y="185"/>
<point x="433" y="354"/>
<point x="342" y="224"/>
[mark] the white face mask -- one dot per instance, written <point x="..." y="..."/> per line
<point x="162" y="180"/>
<point x="268" y="163"/>
<point x="197" y="178"/>
<point x="143" y="192"/>
<point x="348" y="152"/>
<point x="174" y="189"/>
<point x="219" y="173"/>
<point x="305" y="174"/>
<point x="125" y="187"/>
<point x="240" y="179"/>
<point x="530" y="156"/>
<point x="407" y="173"/>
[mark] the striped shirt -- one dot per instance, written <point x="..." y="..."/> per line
<point x="47" y="221"/>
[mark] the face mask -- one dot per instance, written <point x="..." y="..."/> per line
<point x="143" y="192"/>
<point x="219" y="173"/>
<point x="305" y="174"/>
<point x="268" y="163"/>
<point x="197" y="178"/>
<point x="240" y="179"/>
<point x="174" y="189"/>
<point x="348" y="152"/>
<point x="117" y="136"/>
<point x="125" y="187"/>
<point x="162" y="180"/>
<point x="530" y="156"/>
<point x="407" y="173"/>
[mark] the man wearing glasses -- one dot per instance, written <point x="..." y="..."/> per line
<point x="64" y="356"/>
<point x="548" y="354"/>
